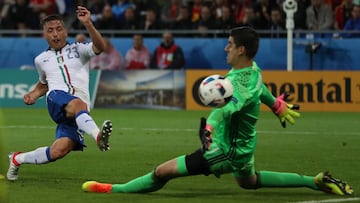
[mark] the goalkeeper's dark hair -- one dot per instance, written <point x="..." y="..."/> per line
<point x="247" y="37"/>
<point x="51" y="18"/>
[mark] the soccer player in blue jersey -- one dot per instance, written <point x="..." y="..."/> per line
<point x="64" y="78"/>
<point x="229" y="135"/>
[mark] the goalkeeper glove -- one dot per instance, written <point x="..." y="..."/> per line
<point x="284" y="111"/>
<point x="205" y="134"/>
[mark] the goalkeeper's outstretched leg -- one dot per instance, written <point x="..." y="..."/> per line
<point x="149" y="182"/>
<point x="323" y="181"/>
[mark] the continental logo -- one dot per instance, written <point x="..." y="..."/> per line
<point x="317" y="92"/>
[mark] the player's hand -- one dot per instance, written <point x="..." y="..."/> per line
<point x="205" y="134"/>
<point x="284" y="111"/>
<point x="83" y="15"/>
<point x="28" y="99"/>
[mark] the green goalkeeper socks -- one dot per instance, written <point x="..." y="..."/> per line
<point x="146" y="183"/>
<point x="277" y="179"/>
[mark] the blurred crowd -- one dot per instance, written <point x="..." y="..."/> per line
<point x="317" y="15"/>
<point x="166" y="56"/>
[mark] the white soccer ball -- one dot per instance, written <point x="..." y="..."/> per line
<point x="215" y="91"/>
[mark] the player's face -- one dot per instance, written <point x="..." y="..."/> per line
<point x="232" y="51"/>
<point x="55" y="34"/>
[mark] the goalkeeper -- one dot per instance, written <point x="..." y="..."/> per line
<point x="229" y="135"/>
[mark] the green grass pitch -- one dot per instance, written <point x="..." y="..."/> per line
<point x="142" y="139"/>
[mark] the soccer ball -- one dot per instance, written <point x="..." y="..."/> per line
<point x="215" y="91"/>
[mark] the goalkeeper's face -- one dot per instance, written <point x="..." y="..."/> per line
<point x="233" y="52"/>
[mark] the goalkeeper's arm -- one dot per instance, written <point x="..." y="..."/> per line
<point x="205" y="134"/>
<point x="284" y="111"/>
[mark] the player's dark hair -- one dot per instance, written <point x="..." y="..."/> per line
<point x="51" y="18"/>
<point x="247" y="37"/>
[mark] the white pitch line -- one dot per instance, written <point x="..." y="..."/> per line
<point x="263" y="132"/>
<point x="330" y="200"/>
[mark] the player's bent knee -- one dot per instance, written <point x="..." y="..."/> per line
<point x="74" y="107"/>
<point x="159" y="173"/>
<point x="166" y="170"/>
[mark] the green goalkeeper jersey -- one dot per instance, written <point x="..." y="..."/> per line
<point x="234" y="124"/>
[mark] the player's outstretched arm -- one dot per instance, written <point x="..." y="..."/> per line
<point x="284" y="111"/>
<point x="267" y="97"/>
<point x="83" y="16"/>
<point x="39" y="91"/>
